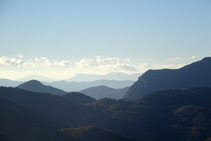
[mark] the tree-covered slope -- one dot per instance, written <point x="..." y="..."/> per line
<point x="93" y="133"/>
<point x="20" y="123"/>
<point x="178" y="114"/>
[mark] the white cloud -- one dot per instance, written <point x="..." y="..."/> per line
<point x="193" y="57"/>
<point x="32" y="63"/>
<point x="176" y="59"/>
<point x="38" y="62"/>
<point x="101" y="62"/>
<point x="20" y="56"/>
<point x="62" y="63"/>
<point x="6" y="61"/>
<point x="146" y="65"/>
<point x="148" y="59"/>
<point x="181" y="65"/>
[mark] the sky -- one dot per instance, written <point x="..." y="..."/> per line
<point x="58" y="39"/>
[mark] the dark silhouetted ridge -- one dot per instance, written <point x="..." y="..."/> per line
<point x="79" y="97"/>
<point x="196" y="74"/>
<point x="99" y="92"/>
<point x="36" y="86"/>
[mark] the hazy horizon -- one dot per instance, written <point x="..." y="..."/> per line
<point x="58" y="39"/>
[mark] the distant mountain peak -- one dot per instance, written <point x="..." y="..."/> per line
<point x="37" y="86"/>
<point x="120" y="76"/>
<point x="34" y="82"/>
<point x="36" y="77"/>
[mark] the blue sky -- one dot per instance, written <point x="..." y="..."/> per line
<point x="60" y="38"/>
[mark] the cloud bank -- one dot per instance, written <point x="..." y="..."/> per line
<point x="97" y="62"/>
<point x="101" y="62"/>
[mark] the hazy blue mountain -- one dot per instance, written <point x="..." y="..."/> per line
<point x="36" y="86"/>
<point x="118" y="93"/>
<point x="79" y="97"/>
<point x="78" y="86"/>
<point x="9" y="83"/>
<point x="73" y="86"/>
<point x="110" y="76"/>
<point x="36" y="77"/>
<point x="194" y="75"/>
<point x="99" y="92"/>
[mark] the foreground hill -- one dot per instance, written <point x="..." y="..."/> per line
<point x="92" y="133"/>
<point x="60" y="108"/>
<point x="20" y="123"/>
<point x="79" y="97"/>
<point x="99" y="92"/>
<point x="36" y="86"/>
<point x="178" y="114"/>
<point x="194" y="75"/>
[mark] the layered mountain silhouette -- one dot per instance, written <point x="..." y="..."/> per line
<point x="58" y="107"/>
<point x="99" y="92"/>
<point x="194" y="75"/>
<point x="169" y="110"/>
<point x="20" y="123"/>
<point x="9" y="83"/>
<point x="79" y="97"/>
<point x="36" y="77"/>
<point x="73" y="86"/>
<point x="79" y="86"/>
<point x="36" y="86"/>
<point x="110" y="76"/>
<point x="176" y="114"/>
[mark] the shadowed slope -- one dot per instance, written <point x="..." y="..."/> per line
<point x="194" y="75"/>
<point x="79" y="97"/>
<point x="20" y="123"/>
<point x="60" y="108"/>
<point x="92" y="133"/>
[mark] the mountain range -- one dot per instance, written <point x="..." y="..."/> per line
<point x="79" y="86"/>
<point x="193" y="75"/>
<point x="36" y="77"/>
<point x="163" y="105"/>
<point x="110" y="76"/>
<point x="99" y="92"/>
<point x="73" y="86"/>
<point x="18" y="122"/>
<point x="176" y="114"/>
